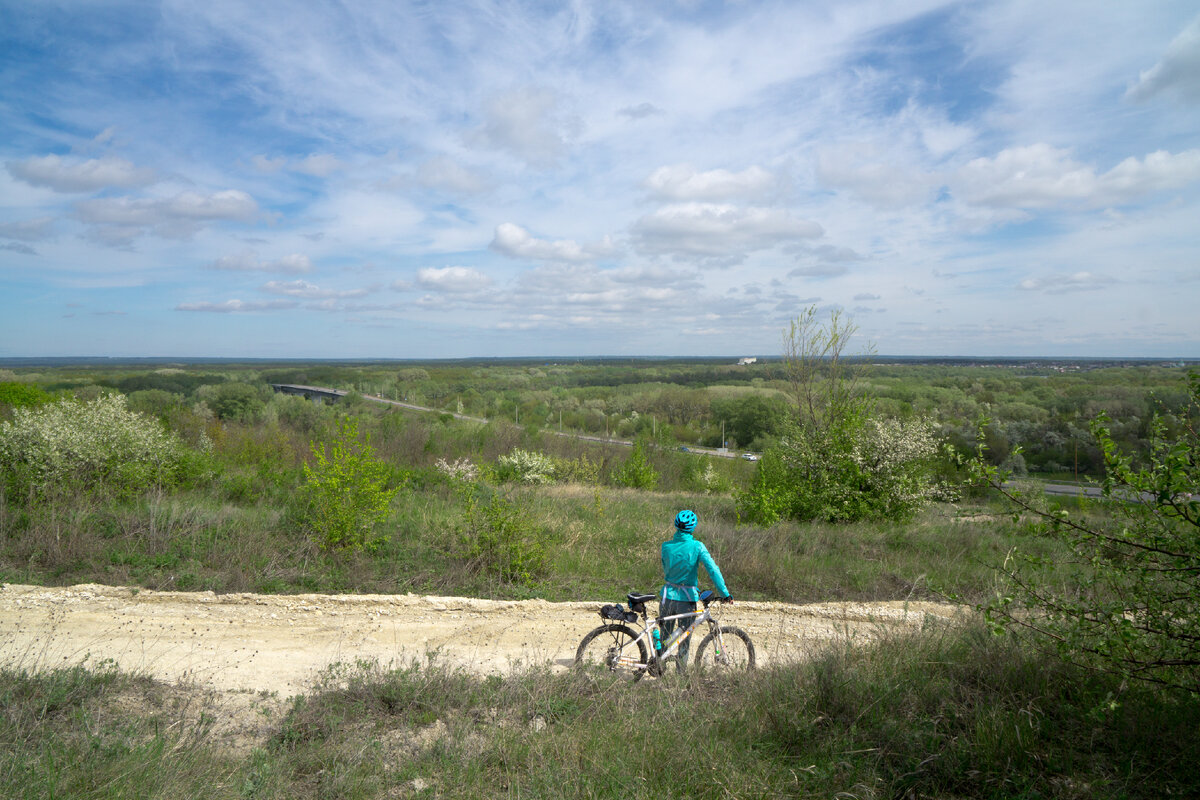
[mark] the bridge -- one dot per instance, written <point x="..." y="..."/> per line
<point x="318" y="394"/>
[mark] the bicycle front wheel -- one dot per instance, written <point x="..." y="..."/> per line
<point x="615" y="649"/>
<point x="725" y="649"/>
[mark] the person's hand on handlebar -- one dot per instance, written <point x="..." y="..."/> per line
<point x="727" y="599"/>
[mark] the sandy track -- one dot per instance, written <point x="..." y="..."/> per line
<point x="277" y="643"/>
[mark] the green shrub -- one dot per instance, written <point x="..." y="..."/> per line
<point x="702" y="476"/>
<point x="22" y="395"/>
<point x="637" y="472"/>
<point x="344" y="496"/>
<point x="499" y="538"/>
<point x="578" y="470"/>
<point x="91" y="446"/>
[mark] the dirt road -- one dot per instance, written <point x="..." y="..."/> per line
<point x="277" y="643"/>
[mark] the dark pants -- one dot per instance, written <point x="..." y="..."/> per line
<point x="669" y="608"/>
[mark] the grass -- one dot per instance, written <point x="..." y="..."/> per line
<point x="66" y="733"/>
<point x="597" y="542"/>
<point x="948" y="713"/>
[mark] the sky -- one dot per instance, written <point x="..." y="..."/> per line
<point x="471" y="179"/>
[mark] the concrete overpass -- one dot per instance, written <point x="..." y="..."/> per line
<point x="318" y="394"/>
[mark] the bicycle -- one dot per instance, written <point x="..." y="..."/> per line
<point x="617" y="648"/>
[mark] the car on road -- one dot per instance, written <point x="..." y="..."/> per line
<point x="749" y="457"/>
<point x="683" y="449"/>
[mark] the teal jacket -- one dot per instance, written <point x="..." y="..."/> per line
<point x="681" y="559"/>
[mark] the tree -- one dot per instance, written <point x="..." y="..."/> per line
<point x="237" y="401"/>
<point x="1135" y="609"/>
<point x="834" y="460"/>
<point x="826" y="388"/>
<point x="344" y="496"/>
<point x="751" y="419"/>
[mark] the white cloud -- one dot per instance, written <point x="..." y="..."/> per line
<point x="320" y="165"/>
<point x="269" y="165"/>
<point x="361" y="216"/>
<point x="92" y="175"/>
<point x="528" y="124"/>
<point x="190" y="206"/>
<point x="682" y="182"/>
<point x="1041" y="176"/>
<point x="454" y="280"/>
<point x="248" y="261"/>
<point x="656" y="275"/>
<point x="306" y="290"/>
<point x="878" y="176"/>
<point x="118" y="221"/>
<point x="830" y="259"/>
<point x="1082" y="281"/>
<point x="818" y="271"/>
<point x="1179" y="69"/>
<point x="516" y="242"/>
<point x="711" y="230"/>
<point x="560" y="280"/>
<point x="446" y="175"/>
<point x="640" y="111"/>
<point x="237" y="306"/>
<point x="30" y="230"/>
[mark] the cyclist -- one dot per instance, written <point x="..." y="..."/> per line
<point x="682" y="556"/>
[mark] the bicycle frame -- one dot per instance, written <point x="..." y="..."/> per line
<point x="646" y="632"/>
<point x="624" y="643"/>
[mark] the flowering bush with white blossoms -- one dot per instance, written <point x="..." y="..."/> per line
<point x="894" y="458"/>
<point x="870" y="468"/>
<point x="460" y="470"/>
<point x="523" y="466"/>
<point x="91" y="446"/>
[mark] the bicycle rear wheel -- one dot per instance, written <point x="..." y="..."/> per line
<point x="725" y="649"/>
<point x="611" y="648"/>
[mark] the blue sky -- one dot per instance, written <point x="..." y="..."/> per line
<point x="409" y="180"/>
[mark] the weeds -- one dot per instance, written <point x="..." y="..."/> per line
<point x="953" y="712"/>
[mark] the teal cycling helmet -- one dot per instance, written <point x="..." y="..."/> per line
<point x="686" y="521"/>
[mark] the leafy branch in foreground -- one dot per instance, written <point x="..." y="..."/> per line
<point x="1136" y="608"/>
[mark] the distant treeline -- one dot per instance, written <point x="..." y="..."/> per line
<point x="1043" y="407"/>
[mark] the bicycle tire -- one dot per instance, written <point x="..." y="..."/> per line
<point x="738" y="654"/>
<point x="599" y="649"/>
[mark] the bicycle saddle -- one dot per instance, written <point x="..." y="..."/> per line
<point x="637" y="600"/>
